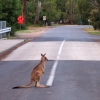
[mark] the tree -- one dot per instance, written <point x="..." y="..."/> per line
<point x="24" y="10"/>
<point x="71" y="10"/>
<point x="61" y="4"/>
<point x="11" y="9"/>
<point x="50" y="10"/>
<point x="0" y="9"/>
<point x="95" y="13"/>
<point x="31" y="13"/>
<point x="37" y="13"/>
<point x="84" y="9"/>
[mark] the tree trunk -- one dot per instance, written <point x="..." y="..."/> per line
<point x="72" y="12"/>
<point x="37" y="13"/>
<point x="72" y="18"/>
<point x="24" y="10"/>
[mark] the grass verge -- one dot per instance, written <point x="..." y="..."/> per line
<point x="26" y="31"/>
<point x="92" y="31"/>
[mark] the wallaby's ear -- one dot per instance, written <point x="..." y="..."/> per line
<point x="42" y="54"/>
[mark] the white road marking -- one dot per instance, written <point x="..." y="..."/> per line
<point x="53" y="70"/>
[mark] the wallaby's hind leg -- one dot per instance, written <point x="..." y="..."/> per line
<point x="37" y="80"/>
<point x="30" y="84"/>
<point x="38" y="85"/>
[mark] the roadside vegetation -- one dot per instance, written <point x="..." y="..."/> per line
<point x="92" y="31"/>
<point x="80" y="12"/>
<point x="26" y="31"/>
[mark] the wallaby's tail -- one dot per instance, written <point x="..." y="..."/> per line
<point x="25" y="86"/>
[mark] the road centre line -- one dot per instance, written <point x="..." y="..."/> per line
<point x="53" y="70"/>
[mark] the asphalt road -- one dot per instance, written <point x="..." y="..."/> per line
<point x="72" y="74"/>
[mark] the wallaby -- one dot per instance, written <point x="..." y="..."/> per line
<point x="36" y="74"/>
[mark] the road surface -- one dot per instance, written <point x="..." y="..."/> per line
<point x="72" y="74"/>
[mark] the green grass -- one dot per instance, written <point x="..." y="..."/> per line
<point x="92" y="31"/>
<point x="26" y="31"/>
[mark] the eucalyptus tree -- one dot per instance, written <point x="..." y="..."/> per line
<point x="84" y="9"/>
<point x="37" y="13"/>
<point x="24" y="9"/>
<point x="42" y="8"/>
<point x="61" y="4"/>
<point x="95" y="13"/>
<point x="50" y="10"/>
<point x="71" y="10"/>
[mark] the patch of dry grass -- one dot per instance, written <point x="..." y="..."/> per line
<point x="92" y="31"/>
<point x="27" y="31"/>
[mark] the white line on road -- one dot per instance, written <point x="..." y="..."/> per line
<point x="53" y="70"/>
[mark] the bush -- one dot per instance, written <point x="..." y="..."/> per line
<point x="13" y="30"/>
<point x="95" y="19"/>
<point x="21" y="27"/>
<point x="11" y="9"/>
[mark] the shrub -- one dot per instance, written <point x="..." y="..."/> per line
<point x="11" y="9"/>
<point x="95" y="18"/>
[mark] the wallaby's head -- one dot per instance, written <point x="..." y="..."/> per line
<point x="43" y="57"/>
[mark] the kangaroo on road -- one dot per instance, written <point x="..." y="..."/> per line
<point x="36" y="74"/>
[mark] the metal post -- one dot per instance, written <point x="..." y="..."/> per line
<point x="20" y="26"/>
<point x="44" y="22"/>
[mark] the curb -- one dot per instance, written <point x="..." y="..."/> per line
<point x="8" y="51"/>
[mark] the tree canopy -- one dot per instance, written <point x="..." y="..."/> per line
<point x="67" y="11"/>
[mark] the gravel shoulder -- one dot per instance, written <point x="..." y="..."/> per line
<point x="31" y="33"/>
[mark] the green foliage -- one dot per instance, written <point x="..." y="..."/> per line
<point x="61" y="4"/>
<point x="72" y="11"/>
<point x="10" y="10"/>
<point x="69" y="11"/>
<point x="48" y="9"/>
<point x="84" y="9"/>
<point x="95" y="14"/>
<point x="95" y="19"/>
<point x="30" y="12"/>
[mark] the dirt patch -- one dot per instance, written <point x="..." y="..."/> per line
<point x="33" y="33"/>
